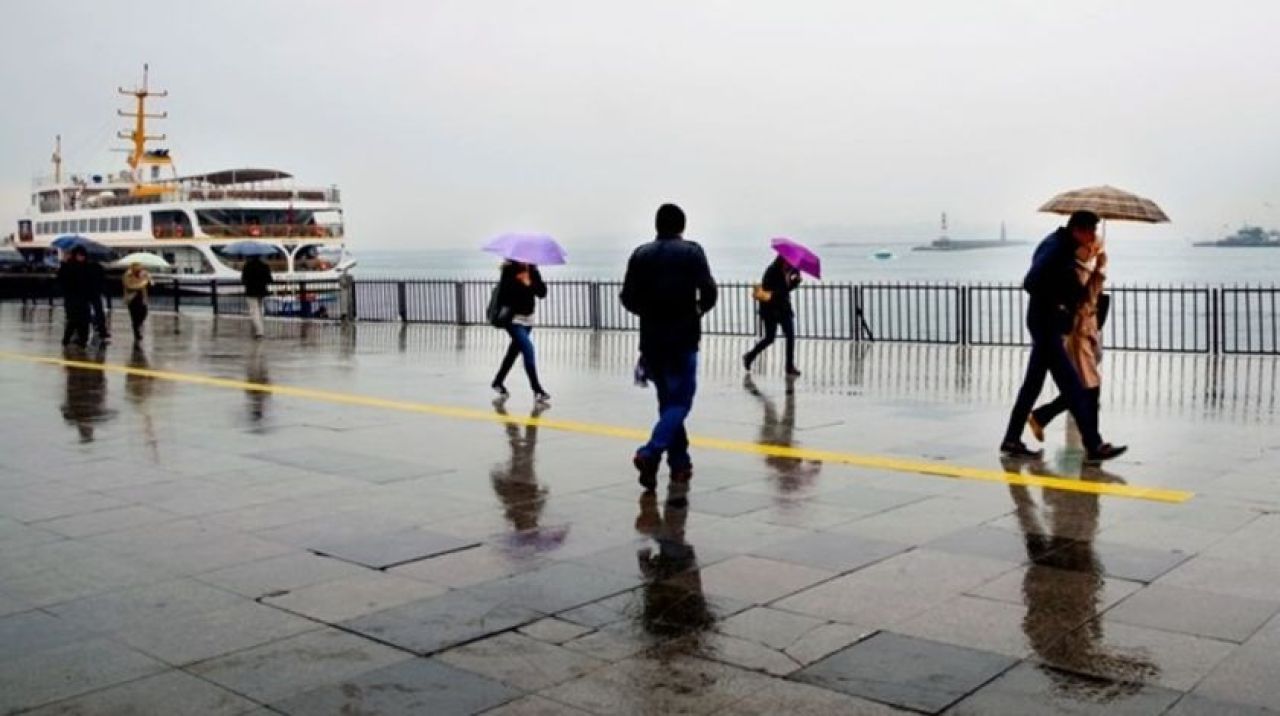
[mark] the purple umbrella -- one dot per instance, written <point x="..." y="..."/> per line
<point x="537" y="249"/>
<point x="800" y="257"/>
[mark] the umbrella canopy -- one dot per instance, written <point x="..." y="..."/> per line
<point x="147" y="260"/>
<point x="1107" y="202"/>
<point x="249" y="248"/>
<point x="72" y="241"/>
<point x="537" y="249"/>
<point x="798" y="256"/>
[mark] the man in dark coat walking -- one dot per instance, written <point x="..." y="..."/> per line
<point x="74" y="280"/>
<point x="669" y="286"/>
<point x="97" y="283"/>
<point x="256" y="278"/>
<point x="1054" y="293"/>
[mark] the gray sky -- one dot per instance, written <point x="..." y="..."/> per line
<point x="445" y="122"/>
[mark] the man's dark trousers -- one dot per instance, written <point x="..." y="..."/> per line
<point x="1049" y="357"/>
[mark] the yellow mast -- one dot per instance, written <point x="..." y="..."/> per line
<point x="138" y="156"/>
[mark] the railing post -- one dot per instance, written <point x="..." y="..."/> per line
<point x="460" y="303"/>
<point x="595" y="305"/>
<point x="177" y="297"/>
<point x="401" y="300"/>
<point x="213" y="295"/>
<point x="1215" y="321"/>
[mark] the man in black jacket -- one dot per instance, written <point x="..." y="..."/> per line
<point x="1054" y="293"/>
<point x="256" y="277"/>
<point x="669" y="286"/>
<point x="74" y="280"/>
<point x="96" y="276"/>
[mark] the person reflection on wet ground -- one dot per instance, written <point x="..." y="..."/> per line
<point x="515" y="482"/>
<point x="256" y="372"/>
<point x="791" y="474"/>
<point x="86" y="397"/>
<point x="138" y="389"/>
<point x="1062" y="591"/>
<point x="674" y="604"/>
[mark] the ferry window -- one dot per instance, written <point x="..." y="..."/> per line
<point x="82" y="225"/>
<point x="115" y="223"/>
<point x="170" y="224"/>
<point x="137" y="223"/>
<point x="93" y="225"/>
<point x="62" y="226"/>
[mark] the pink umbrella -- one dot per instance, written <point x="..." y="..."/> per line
<point x="798" y="256"/>
<point x="538" y="249"/>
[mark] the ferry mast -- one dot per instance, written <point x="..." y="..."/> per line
<point x="139" y="158"/>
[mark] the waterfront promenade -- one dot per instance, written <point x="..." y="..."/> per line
<point x="338" y="520"/>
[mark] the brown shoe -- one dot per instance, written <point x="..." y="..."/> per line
<point x="683" y="474"/>
<point x="1037" y="430"/>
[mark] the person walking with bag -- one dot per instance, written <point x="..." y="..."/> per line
<point x="1084" y="342"/>
<point x="520" y="286"/>
<point x="774" y="296"/>
<point x="136" y="282"/>
<point x="670" y="287"/>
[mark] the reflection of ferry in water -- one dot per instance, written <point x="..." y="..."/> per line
<point x="1250" y="236"/>
<point x="946" y="243"/>
<point x="187" y="220"/>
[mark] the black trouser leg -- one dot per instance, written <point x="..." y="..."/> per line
<point x="770" y="335"/>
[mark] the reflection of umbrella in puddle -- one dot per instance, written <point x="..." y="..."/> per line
<point x="138" y="388"/>
<point x="515" y="482"/>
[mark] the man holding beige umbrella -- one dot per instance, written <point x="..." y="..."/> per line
<point x="1055" y="295"/>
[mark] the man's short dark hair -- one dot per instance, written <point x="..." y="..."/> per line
<point x="79" y="251"/>
<point x="1083" y="220"/>
<point x="670" y="220"/>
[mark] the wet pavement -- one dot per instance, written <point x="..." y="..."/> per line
<point x="172" y="544"/>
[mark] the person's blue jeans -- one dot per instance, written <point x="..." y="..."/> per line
<point x="1049" y="357"/>
<point x="676" y="378"/>
<point x="521" y="345"/>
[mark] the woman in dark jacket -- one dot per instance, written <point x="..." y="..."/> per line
<point x="519" y="287"/>
<point x="780" y="279"/>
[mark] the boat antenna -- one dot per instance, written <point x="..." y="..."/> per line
<point x="138" y="156"/>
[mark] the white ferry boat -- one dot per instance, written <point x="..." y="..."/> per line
<point x="187" y="220"/>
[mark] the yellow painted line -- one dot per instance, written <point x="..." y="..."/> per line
<point x="874" y="462"/>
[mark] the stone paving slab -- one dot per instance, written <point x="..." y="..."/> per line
<point x="163" y="523"/>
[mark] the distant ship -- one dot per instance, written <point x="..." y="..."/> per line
<point x="1252" y="236"/>
<point x="946" y="243"/>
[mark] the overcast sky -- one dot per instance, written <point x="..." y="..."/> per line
<point x="445" y="122"/>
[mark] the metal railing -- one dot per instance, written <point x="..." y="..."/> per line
<point x="1169" y="319"/>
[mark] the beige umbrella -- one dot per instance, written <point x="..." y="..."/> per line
<point x="1107" y="202"/>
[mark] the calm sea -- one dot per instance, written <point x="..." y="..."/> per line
<point x="1132" y="261"/>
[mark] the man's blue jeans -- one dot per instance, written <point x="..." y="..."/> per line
<point x="676" y="378"/>
<point x="1049" y="357"/>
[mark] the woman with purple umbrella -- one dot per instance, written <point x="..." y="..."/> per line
<point x="520" y="286"/>
<point x="774" y="295"/>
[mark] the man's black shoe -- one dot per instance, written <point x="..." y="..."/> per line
<point x="1015" y="448"/>
<point x="1105" y="451"/>
<point x="648" y="469"/>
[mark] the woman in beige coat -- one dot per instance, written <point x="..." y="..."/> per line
<point x="136" y="282"/>
<point x="1084" y="342"/>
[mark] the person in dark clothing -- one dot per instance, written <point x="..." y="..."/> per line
<point x="520" y="286"/>
<point x="73" y="279"/>
<point x="97" y="279"/>
<point x="669" y="286"/>
<point x="1055" y="292"/>
<point x="780" y="279"/>
<point x="256" y="278"/>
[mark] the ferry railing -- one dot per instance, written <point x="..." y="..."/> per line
<point x="1172" y="319"/>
